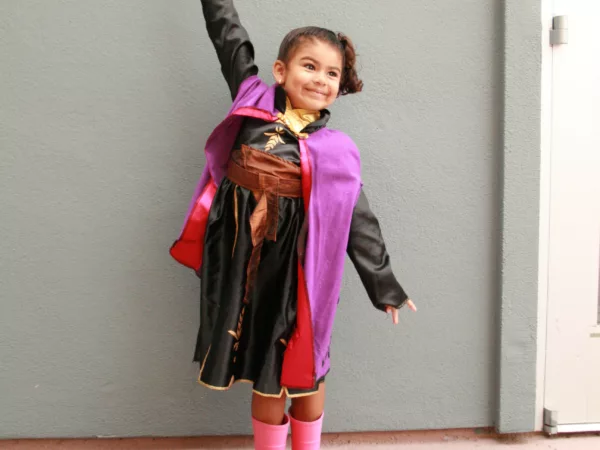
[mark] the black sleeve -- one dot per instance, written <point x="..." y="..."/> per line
<point x="231" y="41"/>
<point x="367" y="251"/>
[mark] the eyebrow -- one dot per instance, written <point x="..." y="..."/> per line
<point x="317" y="62"/>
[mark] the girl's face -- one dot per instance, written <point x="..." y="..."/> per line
<point x="311" y="78"/>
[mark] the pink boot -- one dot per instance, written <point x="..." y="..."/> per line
<point x="306" y="435"/>
<point x="270" y="437"/>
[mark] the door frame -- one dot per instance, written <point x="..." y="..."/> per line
<point x="549" y="10"/>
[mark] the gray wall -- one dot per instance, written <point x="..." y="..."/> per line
<point x="105" y="108"/>
<point x="520" y="216"/>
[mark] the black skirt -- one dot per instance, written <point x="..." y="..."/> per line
<point x="243" y="340"/>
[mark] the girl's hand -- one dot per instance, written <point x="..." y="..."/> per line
<point x="394" y="311"/>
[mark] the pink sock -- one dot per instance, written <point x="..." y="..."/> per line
<point x="270" y="437"/>
<point x="306" y="435"/>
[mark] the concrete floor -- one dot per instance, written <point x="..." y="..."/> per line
<point x="430" y="440"/>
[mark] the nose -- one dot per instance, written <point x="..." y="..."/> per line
<point x="319" y="79"/>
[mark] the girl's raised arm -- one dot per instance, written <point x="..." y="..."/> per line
<point x="231" y="41"/>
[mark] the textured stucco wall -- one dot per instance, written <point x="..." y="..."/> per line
<point x="520" y="216"/>
<point x="105" y="108"/>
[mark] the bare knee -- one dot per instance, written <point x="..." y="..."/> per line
<point x="268" y="410"/>
<point x="309" y="408"/>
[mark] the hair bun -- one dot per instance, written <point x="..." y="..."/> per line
<point x="350" y="82"/>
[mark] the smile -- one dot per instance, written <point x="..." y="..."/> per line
<point x="319" y="93"/>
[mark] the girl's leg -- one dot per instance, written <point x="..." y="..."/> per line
<point x="269" y="410"/>
<point x="269" y="422"/>
<point x="309" y="408"/>
<point x="307" y="420"/>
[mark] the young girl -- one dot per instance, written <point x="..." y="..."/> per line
<point x="278" y="206"/>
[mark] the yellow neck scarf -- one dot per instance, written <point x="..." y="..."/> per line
<point x="297" y="119"/>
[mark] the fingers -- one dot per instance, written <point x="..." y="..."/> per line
<point x="394" y="311"/>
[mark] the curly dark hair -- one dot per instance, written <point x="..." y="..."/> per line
<point x="349" y="83"/>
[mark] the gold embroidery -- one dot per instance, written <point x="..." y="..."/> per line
<point x="238" y="333"/>
<point x="243" y="380"/>
<point x="233" y="380"/>
<point x="274" y="139"/>
<point x="284" y="390"/>
<point x="239" y="328"/>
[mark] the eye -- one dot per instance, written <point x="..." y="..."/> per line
<point x="333" y="74"/>
<point x="309" y="66"/>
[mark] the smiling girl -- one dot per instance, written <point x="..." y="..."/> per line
<point x="279" y="204"/>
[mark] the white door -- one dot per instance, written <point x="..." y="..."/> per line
<point x="572" y="379"/>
